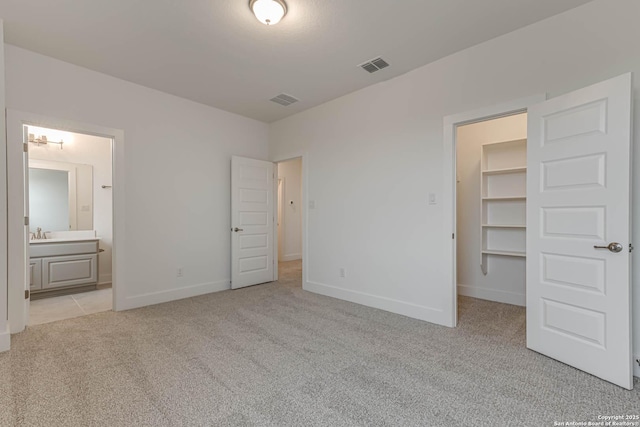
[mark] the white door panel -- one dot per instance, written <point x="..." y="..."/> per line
<point x="252" y="202"/>
<point x="578" y="197"/>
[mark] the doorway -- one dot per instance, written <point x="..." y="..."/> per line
<point x="290" y="210"/>
<point x="20" y="271"/>
<point x="577" y="192"/>
<point x="267" y="219"/>
<point x="289" y="220"/>
<point x="70" y="208"/>
<point x="450" y="197"/>
<point x="491" y="207"/>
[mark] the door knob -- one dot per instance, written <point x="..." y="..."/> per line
<point x="240" y="229"/>
<point x="613" y="247"/>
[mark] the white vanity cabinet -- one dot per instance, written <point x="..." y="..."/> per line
<point x="63" y="265"/>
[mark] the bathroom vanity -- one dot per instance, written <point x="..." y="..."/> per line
<point x="63" y="265"/>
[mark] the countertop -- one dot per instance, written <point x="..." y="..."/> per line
<point x="64" y="239"/>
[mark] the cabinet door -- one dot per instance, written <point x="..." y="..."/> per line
<point x="69" y="271"/>
<point x="35" y="274"/>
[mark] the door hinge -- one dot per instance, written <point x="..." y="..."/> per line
<point x="453" y="235"/>
<point x="25" y="147"/>
<point x="27" y="294"/>
<point x="630" y="248"/>
<point x="26" y="220"/>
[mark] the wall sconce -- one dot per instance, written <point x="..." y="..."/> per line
<point x="42" y="139"/>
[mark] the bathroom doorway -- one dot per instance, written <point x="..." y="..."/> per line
<point x="70" y="209"/>
<point x="63" y="239"/>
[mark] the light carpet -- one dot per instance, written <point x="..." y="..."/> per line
<point x="276" y="355"/>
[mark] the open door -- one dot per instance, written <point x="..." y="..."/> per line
<point x="578" y="230"/>
<point x="29" y="268"/>
<point x="252" y="222"/>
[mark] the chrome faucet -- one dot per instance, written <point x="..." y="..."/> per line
<point x="39" y="234"/>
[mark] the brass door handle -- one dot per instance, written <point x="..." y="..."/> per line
<point x="237" y="229"/>
<point x="613" y="247"/>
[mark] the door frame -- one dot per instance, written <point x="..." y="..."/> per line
<point x="280" y="187"/>
<point x="15" y="172"/>
<point x="305" y="212"/>
<point x="449" y="193"/>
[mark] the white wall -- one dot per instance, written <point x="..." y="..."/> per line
<point x="4" y="330"/>
<point x="176" y="166"/>
<point x="505" y="280"/>
<point x="96" y="152"/>
<point x="290" y="244"/>
<point x="374" y="217"/>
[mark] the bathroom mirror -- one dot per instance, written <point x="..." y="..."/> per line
<point x="60" y="196"/>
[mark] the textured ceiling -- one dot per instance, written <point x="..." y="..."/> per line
<point x="216" y="52"/>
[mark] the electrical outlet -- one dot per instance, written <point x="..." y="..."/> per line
<point x="343" y="272"/>
<point x="180" y="272"/>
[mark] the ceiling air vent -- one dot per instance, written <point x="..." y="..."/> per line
<point x="374" y="65"/>
<point x="284" y="99"/>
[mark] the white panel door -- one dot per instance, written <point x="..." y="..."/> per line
<point x="578" y="230"/>
<point x="252" y="222"/>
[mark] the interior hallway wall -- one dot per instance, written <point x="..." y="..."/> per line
<point x="505" y="280"/>
<point x="374" y="218"/>
<point x="94" y="151"/>
<point x="291" y="244"/>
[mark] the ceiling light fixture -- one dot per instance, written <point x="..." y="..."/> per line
<point x="269" y="12"/>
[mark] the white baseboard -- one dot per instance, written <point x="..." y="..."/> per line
<point x="493" y="295"/>
<point x="636" y="365"/>
<point x="5" y="340"/>
<point x="415" y="311"/>
<point x="291" y="257"/>
<point x="172" y="294"/>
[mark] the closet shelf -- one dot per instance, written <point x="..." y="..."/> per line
<point x="504" y="226"/>
<point x="500" y="145"/>
<point x="505" y="198"/>
<point x="504" y="171"/>
<point x="505" y="253"/>
<point x="503" y="201"/>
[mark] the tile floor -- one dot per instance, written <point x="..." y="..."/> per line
<point x="68" y="306"/>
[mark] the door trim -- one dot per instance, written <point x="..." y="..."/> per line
<point x="280" y="191"/>
<point x="303" y="155"/>
<point x="451" y="123"/>
<point x="15" y="171"/>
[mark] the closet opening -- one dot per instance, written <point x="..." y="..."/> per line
<point x="491" y="172"/>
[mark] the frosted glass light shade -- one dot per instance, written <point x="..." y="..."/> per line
<point x="269" y="12"/>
